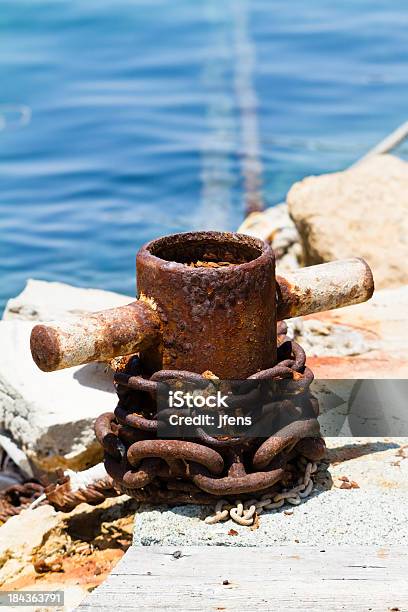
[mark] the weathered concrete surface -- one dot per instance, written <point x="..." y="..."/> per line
<point x="364" y="341"/>
<point x="359" y="212"/>
<point x="44" y="301"/>
<point x="374" y="513"/>
<point x="382" y="325"/>
<point x="50" y="416"/>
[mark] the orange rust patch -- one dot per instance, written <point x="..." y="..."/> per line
<point x="371" y="365"/>
<point x="88" y="572"/>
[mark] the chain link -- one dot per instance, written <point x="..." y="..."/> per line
<point x="180" y="471"/>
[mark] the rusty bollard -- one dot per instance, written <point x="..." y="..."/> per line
<point x="187" y="318"/>
<point x="208" y="301"/>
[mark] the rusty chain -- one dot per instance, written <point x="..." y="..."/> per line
<point x="64" y="496"/>
<point x="182" y="471"/>
<point x="17" y="497"/>
<point x="245" y="513"/>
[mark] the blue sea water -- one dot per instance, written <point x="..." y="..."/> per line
<point x="122" y="120"/>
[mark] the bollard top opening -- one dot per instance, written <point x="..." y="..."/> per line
<point x="196" y="249"/>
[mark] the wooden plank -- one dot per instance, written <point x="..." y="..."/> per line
<point x="357" y="578"/>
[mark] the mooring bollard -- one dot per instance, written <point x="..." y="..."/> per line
<point x="209" y="306"/>
<point x="190" y="317"/>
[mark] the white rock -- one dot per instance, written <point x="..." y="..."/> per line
<point x="275" y="226"/>
<point x="19" y="538"/>
<point x="50" y="415"/>
<point x="360" y="212"/>
<point x="23" y="533"/>
<point x="19" y="459"/>
<point x="43" y="301"/>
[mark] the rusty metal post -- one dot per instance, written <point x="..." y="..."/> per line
<point x="222" y="319"/>
<point x="324" y="287"/>
<point x="99" y="336"/>
<point x="193" y="318"/>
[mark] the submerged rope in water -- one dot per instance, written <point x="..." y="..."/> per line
<point x="219" y="144"/>
<point x="232" y="119"/>
<point x="251" y="165"/>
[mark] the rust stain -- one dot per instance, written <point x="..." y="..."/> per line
<point x="88" y="572"/>
<point x="219" y="315"/>
<point x="373" y="365"/>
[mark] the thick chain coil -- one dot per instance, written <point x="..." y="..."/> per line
<point x="183" y="471"/>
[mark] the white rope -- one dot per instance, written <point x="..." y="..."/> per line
<point x="37" y="502"/>
<point x="78" y="481"/>
<point x="82" y="480"/>
<point x="251" y="164"/>
<point x="217" y="158"/>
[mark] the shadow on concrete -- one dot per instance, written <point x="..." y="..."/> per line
<point x="96" y="376"/>
<point x="357" y="449"/>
